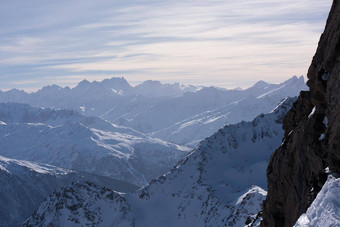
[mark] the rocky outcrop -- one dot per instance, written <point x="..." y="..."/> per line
<point x="296" y="171"/>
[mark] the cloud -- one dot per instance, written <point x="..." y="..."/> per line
<point x="212" y="41"/>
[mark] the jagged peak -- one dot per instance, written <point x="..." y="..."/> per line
<point x="83" y="83"/>
<point x="50" y="89"/>
<point x="150" y="82"/>
<point x="260" y="84"/>
<point x="115" y="84"/>
<point x="295" y="81"/>
<point x="116" y="81"/>
<point x="16" y="91"/>
<point x="53" y="86"/>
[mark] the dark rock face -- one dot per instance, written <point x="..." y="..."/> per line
<point x="296" y="171"/>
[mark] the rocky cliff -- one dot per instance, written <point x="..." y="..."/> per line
<point x="296" y="171"/>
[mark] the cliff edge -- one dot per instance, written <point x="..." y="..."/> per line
<point x="296" y="171"/>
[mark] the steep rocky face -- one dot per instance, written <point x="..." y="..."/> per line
<point x="296" y="171"/>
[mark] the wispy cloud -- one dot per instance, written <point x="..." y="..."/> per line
<point x="221" y="42"/>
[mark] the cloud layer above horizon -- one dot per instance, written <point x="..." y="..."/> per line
<point x="211" y="42"/>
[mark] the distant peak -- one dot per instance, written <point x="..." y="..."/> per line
<point x="51" y="87"/>
<point x="260" y="84"/>
<point x="84" y="82"/>
<point x="295" y="80"/>
<point x="16" y="90"/>
<point x="121" y="79"/>
<point x="116" y="83"/>
<point x="209" y="90"/>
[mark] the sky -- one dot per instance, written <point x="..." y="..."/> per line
<point x="223" y="43"/>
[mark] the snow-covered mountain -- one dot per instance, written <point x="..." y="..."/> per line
<point x="219" y="184"/>
<point x="203" y="112"/>
<point x="180" y="114"/>
<point x="261" y="98"/>
<point x="70" y="140"/>
<point x="25" y="184"/>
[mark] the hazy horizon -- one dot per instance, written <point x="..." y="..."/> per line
<point x="136" y="83"/>
<point x="225" y="44"/>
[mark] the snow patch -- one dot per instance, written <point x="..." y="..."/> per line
<point x="325" y="209"/>
<point x="118" y="92"/>
<point x="325" y="121"/>
<point x="252" y="190"/>
<point x="2" y="168"/>
<point x="327" y="170"/>
<point x="312" y="113"/>
<point x="322" y="136"/>
<point x="270" y="92"/>
<point x="303" y="220"/>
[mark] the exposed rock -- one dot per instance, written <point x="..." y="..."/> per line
<point x="296" y="171"/>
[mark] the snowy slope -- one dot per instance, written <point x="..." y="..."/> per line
<point x="24" y="185"/>
<point x="70" y="140"/>
<point x="325" y="209"/>
<point x="261" y="98"/>
<point x="219" y="184"/>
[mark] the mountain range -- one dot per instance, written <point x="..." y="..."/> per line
<point x="67" y="139"/>
<point x="180" y="114"/>
<point x="100" y="135"/>
<point x="220" y="183"/>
